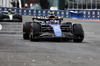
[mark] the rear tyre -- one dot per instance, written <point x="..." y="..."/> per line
<point x="20" y="18"/>
<point x="67" y="23"/>
<point x="78" y="33"/>
<point x="1" y="17"/>
<point x="25" y="36"/>
<point x="26" y="30"/>
<point x="36" y="29"/>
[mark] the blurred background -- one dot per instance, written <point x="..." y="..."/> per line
<point x="82" y="4"/>
<point x="47" y="4"/>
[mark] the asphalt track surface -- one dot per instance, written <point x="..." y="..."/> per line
<point x="14" y="51"/>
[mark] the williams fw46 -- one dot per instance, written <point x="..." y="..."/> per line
<point x="12" y="17"/>
<point x="53" y="29"/>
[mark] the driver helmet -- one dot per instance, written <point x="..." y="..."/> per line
<point x="9" y="10"/>
<point x="52" y="13"/>
<point x="51" y="21"/>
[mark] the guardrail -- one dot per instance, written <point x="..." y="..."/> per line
<point x="80" y="14"/>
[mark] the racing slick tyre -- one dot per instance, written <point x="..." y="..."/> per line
<point x="20" y="18"/>
<point x="68" y="23"/>
<point x="34" y="32"/>
<point x="26" y="30"/>
<point x="78" y="33"/>
<point x="1" y="17"/>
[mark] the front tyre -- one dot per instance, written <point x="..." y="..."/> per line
<point x="34" y="32"/>
<point x="26" y="30"/>
<point x="78" y="33"/>
<point x="1" y="17"/>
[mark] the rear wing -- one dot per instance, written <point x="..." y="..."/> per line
<point x="43" y="18"/>
<point x="40" y="18"/>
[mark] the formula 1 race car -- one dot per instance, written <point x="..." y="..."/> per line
<point x="52" y="28"/>
<point x="13" y="17"/>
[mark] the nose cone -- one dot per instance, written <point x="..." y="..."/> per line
<point x="11" y="17"/>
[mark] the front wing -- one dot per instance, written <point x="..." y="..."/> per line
<point x="8" y="20"/>
<point x="52" y="35"/>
